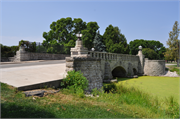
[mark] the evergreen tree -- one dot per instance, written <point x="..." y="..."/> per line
<point x="173" y="42"/>
<point x="98" y="43"/>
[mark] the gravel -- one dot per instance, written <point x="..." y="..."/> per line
<point x="171" y="74"/>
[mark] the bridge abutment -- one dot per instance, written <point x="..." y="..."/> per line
<point x="90" y="67"/>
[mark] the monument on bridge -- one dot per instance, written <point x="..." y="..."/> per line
<point x="79" y="50"/>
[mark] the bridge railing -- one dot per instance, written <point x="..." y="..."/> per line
<point x="112" y="56"/>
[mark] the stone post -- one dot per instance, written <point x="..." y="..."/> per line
<point x="79" y="50"/>
<point x="141" y="58"/>
<point x="21" y="55"/>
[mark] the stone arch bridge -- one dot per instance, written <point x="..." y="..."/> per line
<point x="99" y="66"/>
<point x="117" y="65"/>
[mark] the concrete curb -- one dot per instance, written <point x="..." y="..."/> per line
<point x="55" y="84"/>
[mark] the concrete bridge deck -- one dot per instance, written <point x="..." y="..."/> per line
<point x="32" y="77"/>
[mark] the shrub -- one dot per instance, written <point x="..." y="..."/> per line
<point x="76" y="81"/>
<point x="8" y="51"/>
<point x="111" y="87"/>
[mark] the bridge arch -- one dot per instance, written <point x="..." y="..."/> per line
<point x="135" y="71"/>
<point x="119" y="71"/>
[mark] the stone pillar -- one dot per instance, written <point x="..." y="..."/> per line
<point x="79" y="50"/>
<point x="141" y="58"/>
<point x="21" y="55"/>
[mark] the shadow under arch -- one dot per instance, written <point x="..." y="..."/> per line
<point x="135" y="71"/>
<point x="119" y="72"/>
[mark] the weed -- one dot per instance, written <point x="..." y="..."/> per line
<point x="96" y="92"/>
<point x="45" y="87"/>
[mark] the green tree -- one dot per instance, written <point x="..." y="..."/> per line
<point x="114" y="41"/>
<point x="8" y="51"/>
<point x="29" y="46"/>
<point x="150" y="53"/>
<point x="133" y="45"/>
<point x="173" y="42"/>
<point x="61" y="33"/>
<point x="89" y="34"/>
<point x="98" y="43"/>
<point x="68" y="46"/>
<point x="168" y="55"/>
<point x="152" y="44"/>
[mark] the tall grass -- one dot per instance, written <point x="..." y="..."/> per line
<point x="133" y="96"/>
<point x="116" y="101"/>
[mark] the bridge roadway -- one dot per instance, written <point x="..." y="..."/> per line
<point x="29" y="74"/>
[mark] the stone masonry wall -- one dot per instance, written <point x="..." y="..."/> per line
<point x="154" y="67"/>
<point x="109" y="61"/>
<point x="25" y="56"/>
<point x="90" y="67"/>
<point x="46" y="56"/>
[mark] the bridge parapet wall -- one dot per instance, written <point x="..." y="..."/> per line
<point x="112" y="56"/>
<point x="154" y="67"/>
<point x="110" y="61"/>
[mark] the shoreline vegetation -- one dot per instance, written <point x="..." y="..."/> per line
<point x="116" y="101"/>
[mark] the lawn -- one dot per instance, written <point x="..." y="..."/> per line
<point x="157" y="86"/>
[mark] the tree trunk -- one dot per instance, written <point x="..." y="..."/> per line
<point x="177" y="62"/>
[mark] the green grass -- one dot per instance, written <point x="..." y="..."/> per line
<point x="163" y="87"/>
<point x="16" y="105"/>
<point x="120" y="102"/>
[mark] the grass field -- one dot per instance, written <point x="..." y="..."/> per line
<point x="121" y="101"/>
<point x="157" y="86"/>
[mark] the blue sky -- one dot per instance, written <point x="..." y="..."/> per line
<point x="143" y="19"/>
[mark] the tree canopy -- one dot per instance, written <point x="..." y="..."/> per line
<point x="62" y="32"/>
<point x="8" y="51"/>
<point x="151" y="44"/>
<point x="89" y="34"/>
<point x="150" y="53"/>
<point x="114" y="41"/>
<point x="168" y="55"/>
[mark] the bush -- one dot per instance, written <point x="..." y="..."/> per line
<point x="8" y="51"/>
<point x="111" y="87"/>
<point x="75" y="81"/>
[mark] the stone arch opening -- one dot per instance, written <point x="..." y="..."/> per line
<point x="135" y="71"/>
<point x="119" y="72"/>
